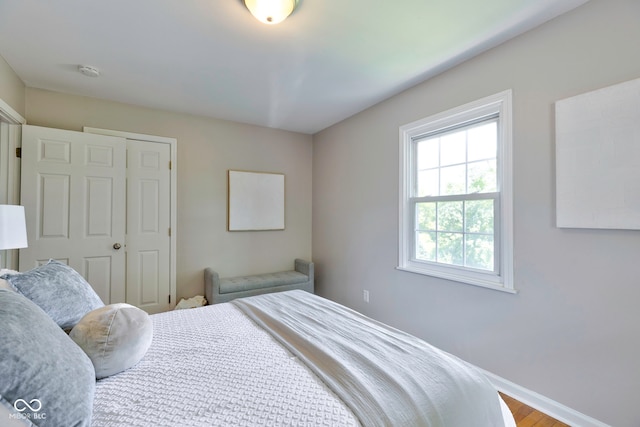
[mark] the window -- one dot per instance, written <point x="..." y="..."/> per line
<point x="455" y="196"/>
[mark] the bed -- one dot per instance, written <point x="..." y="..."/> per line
<point x="282" y="359"/>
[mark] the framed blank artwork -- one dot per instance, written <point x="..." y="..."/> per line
<point x="255" y="201"/>
<point x="598" y="158"/>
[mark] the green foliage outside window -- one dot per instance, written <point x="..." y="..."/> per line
<point x="457" y="232"/>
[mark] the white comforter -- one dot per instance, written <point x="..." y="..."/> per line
<point x="213" y="366"/>
<point x="387" y="377"/>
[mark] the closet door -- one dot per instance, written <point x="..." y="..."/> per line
<point x="151" y="219"/>
<point x="148" y="226"/>
<point x="73" y="188"/>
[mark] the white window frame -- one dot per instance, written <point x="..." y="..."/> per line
<point x="502" y="278"/>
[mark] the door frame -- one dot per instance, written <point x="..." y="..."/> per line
<point x="173" y="174"/>
<point x="10" y="139"/>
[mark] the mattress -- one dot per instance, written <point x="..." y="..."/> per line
<point x="213" y="366"/>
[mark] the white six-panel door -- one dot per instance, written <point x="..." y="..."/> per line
<point x="148" y="225"/>
<point x="73" y="188"/>
<point x="103" y="205"/>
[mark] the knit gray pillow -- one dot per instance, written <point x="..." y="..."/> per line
<point x="44" y="376"/>
<point x="59" y="290"/>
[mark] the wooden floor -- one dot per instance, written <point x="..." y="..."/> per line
<point x="526" y="416"/>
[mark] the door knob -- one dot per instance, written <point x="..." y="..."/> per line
<point x="117" y="246"/>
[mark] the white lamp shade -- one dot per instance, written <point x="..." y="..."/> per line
<point x="271" y="11"/>
<point x="13" y="229"/>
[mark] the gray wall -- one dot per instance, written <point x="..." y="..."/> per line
<point x="573" y="331"/>
<point x="207" y="148"/>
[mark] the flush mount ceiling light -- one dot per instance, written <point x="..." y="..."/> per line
<point x="271" y="11"/>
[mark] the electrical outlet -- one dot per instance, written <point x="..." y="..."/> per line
<point x="365" y="296"/>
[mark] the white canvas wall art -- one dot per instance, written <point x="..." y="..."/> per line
<point x="256" y="201"/>
<point x="598" y="158"/>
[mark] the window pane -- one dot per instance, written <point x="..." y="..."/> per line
<point x="483" y="142"/>
<point x="426" y="216"/>
<point x="479" y="216"/>
<point x="453" y="148"/>
<point x="479" y="251"/>
<point x="428" y="153"/>
<point x="482" y="177"/>
<point x="452" y="180"/>
<point x="450" y="248"/>
<point x="426" y="246"/>
<point x="450" y="216"/>
<point x="428" y="183"/>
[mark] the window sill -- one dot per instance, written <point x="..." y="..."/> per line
<point x="460" y="279"/>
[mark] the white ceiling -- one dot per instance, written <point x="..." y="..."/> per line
<point x="329" y="60"/>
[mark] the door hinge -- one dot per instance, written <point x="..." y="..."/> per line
<point x="169" y="164"/>
<point x="169" y="231"/>
<point x="169" y="299"/>
<point x="18" y="152"/>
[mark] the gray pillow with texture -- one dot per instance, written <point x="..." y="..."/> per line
<point x="57" y="289"/>
<point x="39" y="361"/>
<point x="115" y="337"/>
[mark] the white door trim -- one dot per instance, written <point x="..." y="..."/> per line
<point x="10" y="139"/>
<point x="173" y="142"/>
<point x="9" y="115"/>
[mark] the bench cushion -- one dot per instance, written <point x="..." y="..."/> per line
<point x="259" y="281"/>
<point x="219" y="290"/>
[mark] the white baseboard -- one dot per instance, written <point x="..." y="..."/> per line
<point x="542" y="403"/>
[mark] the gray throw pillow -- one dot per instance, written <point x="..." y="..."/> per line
<point x="44" y="375"/>
<point x="115" y="337"/>
<point x="57" y="289"/>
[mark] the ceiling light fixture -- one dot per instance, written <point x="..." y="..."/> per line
<point x="271" y="11"/>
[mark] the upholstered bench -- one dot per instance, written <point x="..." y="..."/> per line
<point x="219" y="290"/>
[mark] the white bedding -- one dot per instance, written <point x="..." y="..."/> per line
<point x="385" y="376"/>
<point x="213" y="366"/>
